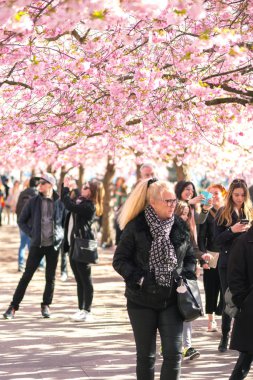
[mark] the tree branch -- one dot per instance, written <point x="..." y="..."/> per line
<point x="215" y="102"/>
<point x="14" y="83"/>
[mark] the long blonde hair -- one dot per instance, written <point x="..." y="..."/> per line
<point x="226" y="213"/>
<point x="97" y="195"/>
<point x="140" y="197"/>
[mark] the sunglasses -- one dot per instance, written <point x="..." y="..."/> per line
<point x="42" y="182"/>
<point x="238" y="182"/>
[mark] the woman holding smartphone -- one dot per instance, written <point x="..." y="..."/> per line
<point x="83" y="211"/>
<point x="231" y="221"/>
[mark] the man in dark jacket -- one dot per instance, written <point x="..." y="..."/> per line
<point x="23" y="198"/>
<point x="42" y="219"/>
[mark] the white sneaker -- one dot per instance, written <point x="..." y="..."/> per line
<point x="212" y="326"/>
<point x="79" y="316"/>
<point x="64" y="277"/>
<point x="89" y="316"/>
<point x="82" y="316"/>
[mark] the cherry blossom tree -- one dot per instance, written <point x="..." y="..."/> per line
<point x="169" y="79"/>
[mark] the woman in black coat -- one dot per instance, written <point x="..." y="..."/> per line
<point x="240" y="281"/>
<point x="154" y="244"/>
<point x="227" y="228"/>
<point x="83" y="211"/>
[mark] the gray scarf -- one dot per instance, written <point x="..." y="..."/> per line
<point x="162" y="259"/>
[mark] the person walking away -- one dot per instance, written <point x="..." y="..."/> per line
<point x="83" y="210"/>
<point x="229" y="225"/>
<point x="209" y="260"/>
<point x="42" y="219"/>
<point x="240" y="282"/>
<point x="23" y="198"/>
<point x="152" y="245"/>
<point x="11" y="203"/>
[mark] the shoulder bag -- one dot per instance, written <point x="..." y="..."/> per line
<point x="189" y="300"/>
<point x="85" y="251"/>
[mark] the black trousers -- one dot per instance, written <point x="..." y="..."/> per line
<point x="33" y="261"/>
<point x="225" y="319"/>
<point x="242" y="366"/>
<point x="145" y="324"/>
<point x="64" y="261"/>
<point x="213" y="292"/>
<point x="82" y="273"/>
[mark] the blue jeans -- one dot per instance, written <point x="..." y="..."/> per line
<point x="24" y="242"/>
<point x="145" y="323"/>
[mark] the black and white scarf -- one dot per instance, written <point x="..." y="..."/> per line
<point x="162" y="259"/>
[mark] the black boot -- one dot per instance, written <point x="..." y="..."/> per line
<point x="223" y="343"/>
<point x="242" y="366"/>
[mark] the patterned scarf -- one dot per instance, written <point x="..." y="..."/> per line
<point x="162" y="259"/>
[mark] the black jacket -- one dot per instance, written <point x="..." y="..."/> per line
<point x="24" y="197"/>
<point x="206" y="234"/>
<point x="131" y="261"/>
<point x="83" y="213"/>
<point x="240" y="281"/>
<point x="224" y="238"/>
<point x="30" y="220"/>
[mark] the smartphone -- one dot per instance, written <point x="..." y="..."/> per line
<point x="207" y="196"/>
<point x="244" y="221"/>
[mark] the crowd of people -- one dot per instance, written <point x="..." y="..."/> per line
<point x="160" y="228"/>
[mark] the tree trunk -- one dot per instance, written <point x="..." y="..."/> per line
<point x="138" y="172"/>
<point x="62" y="175"/>
<point x="80" y="181"/>
<point x="181" y="170"/>
<point x="107" y="238"/>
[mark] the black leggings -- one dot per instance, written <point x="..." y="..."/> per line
<point x="82" y="273"/>
<point x="145" y="323"/>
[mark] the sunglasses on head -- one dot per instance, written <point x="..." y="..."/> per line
<point x="239" y="181"/>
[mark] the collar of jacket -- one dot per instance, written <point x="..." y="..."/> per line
<point x="179" y="232"/>
<point x="55" y="195"/>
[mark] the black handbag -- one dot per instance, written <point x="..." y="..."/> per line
<point x="189" y="300"/>
<point x="85" y="251"/>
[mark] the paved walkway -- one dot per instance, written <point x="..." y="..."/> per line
<point x="57" y="348"/>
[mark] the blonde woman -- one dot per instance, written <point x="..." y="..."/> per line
<point x="231" y="221"/>
<point x="83" y="211"/>
<point x="154" y="244"/>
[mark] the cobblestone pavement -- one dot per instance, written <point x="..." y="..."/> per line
<point x="57" y="348"/>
